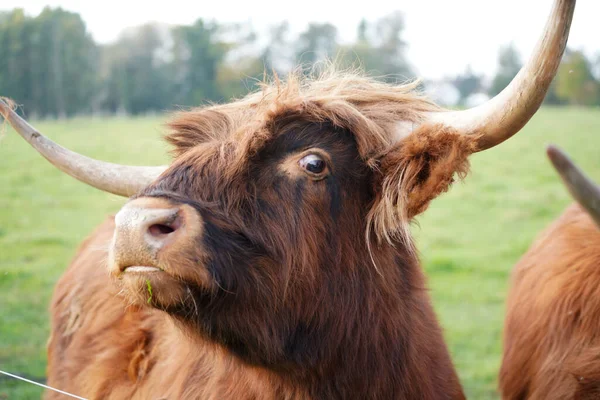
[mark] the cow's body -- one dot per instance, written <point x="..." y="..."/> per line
<point x="105" y="349"/>
<point x="552" y="326"/>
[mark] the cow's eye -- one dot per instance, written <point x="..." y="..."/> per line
<point x="313" y="164"/>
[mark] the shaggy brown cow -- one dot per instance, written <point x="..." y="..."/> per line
<point x="551" y="341"/>
<point x="272" y="259"/>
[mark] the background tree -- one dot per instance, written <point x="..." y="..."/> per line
<point x="390" y="51"/>
<point x="361" y="54"/>
<point x="275" y="56"/>
<point x="198" y="55"/>
<point x="139" y="75"/>
<point x="509" y="65"/>
<point x="380" y="50"/>
<point x="467" y="83"/>
<point x="63" y="63"/>
<point x="241" y="69"/>
<point x="596" y="66"/>
<point x="575" y="82"/>
<point x="48" y="62"/>
<point x="15" y="56"/>
<point x="317" y="43"/>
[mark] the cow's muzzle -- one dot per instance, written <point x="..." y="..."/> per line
<point x="148" y="228"/>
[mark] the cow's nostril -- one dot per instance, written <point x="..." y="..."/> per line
<point x="158" y="230"/>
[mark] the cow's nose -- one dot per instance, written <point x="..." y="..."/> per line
<point x="143" y="227"/>
<point x="147" y="223"/>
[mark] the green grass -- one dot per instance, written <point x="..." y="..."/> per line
<point x="469" y="238"/>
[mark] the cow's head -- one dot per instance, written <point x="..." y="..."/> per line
<point x="283" y="213"/>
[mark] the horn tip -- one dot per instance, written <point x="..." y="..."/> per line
<point x="6" y="105"/>
<point x="556" y="156"/>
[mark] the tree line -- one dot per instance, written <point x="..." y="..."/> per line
<point x="51" y="65"/>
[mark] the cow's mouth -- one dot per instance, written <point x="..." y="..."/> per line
<point x="140" y="269"/>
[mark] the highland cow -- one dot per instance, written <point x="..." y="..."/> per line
<point x="272" y="258"/>
<point x="551" y="344"/>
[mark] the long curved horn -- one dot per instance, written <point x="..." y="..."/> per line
<point x="504" y="115"/>
<point x="586" y="192"/>
<point x="122" y="180"/>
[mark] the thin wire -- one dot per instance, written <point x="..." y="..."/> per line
<point x="44" y="386"/>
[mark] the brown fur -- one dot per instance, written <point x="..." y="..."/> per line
<point x="551" y="341"/>
<point x="290" y="305"/>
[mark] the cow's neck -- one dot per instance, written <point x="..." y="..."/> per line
<point x="386" y="343"/>
<point x="393" y="347"/>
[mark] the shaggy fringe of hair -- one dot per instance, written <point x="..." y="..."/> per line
<point x="348" y="99"/>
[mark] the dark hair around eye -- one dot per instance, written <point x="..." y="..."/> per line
<point x="313" y="163"/>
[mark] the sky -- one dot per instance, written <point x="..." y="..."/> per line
<point x="443" y="36"/>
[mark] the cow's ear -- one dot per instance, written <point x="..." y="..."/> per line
<point x="415" y="171"/>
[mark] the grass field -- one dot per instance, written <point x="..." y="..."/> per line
<point x="469" y="238"/>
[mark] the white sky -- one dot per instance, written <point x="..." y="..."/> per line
<point x="443" y="35"/>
